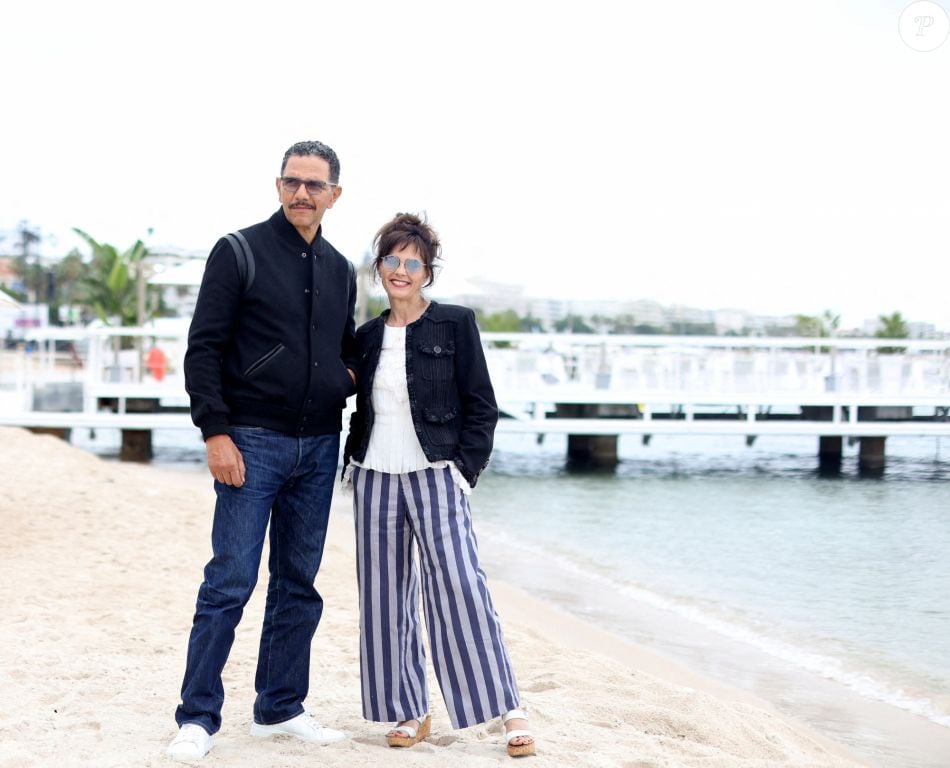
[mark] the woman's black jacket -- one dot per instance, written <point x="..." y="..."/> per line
<point x="450" y="393"/>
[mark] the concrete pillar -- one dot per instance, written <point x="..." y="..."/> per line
<point x="136" y="445"/>
<point x="829" y="455"/>
<point x="592" y="451"/>
<point x="871" y="456"/>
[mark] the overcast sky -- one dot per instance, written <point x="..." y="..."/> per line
<point x="776" y="157"/>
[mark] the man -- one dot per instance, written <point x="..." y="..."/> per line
<point x="268" y="370"/>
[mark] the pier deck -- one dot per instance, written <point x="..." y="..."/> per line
<point x="592" y="388"/>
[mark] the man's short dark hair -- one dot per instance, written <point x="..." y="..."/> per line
<point x="314" y="149"/>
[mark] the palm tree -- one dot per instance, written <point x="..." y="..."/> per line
<point x="893" y="326"/>
<point x="823" y="326"/>
<point x="109" y="285"/>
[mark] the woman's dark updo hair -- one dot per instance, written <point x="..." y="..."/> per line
<point x="408" y="229"/>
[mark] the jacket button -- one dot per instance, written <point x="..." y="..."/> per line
<point x="303" y="255"/>
<point x="306" y="290"/>
<point x="316" y="364"/>
<point x="437" y="350"/>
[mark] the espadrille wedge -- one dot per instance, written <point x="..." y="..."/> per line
<point x="517" y="750"/>
<point x="406" y="735"/>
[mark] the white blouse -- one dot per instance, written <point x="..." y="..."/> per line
<point x="393" y="444"/>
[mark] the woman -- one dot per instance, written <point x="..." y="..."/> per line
<point x="419" y="438"/>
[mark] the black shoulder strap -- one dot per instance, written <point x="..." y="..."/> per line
<point x="245" y="259"/>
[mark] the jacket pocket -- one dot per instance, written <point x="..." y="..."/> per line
<point x="440" y="425"/>
<point x="264" y="360"/>
<point x="437" y="360"/>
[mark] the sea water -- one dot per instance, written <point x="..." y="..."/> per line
<point x="819" y="594"/>
<point x="815" y="593"/>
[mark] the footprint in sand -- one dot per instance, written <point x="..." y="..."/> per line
<point x="539" y="686"/>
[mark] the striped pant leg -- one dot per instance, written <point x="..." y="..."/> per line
<point x="392" y="657"/>
<point x="465" y="635"/>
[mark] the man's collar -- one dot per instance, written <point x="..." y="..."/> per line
<point x="288" y="231"/>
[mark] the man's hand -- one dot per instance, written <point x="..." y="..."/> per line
<point x="225" y="460"/>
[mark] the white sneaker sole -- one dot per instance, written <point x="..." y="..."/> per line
<point x="186" y="755"/>
<point x="264" y="731"/>
<point x="188" y="751"/>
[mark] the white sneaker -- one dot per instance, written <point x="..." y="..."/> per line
<point x="303" y="727"/>
<point x="192" y="743"/>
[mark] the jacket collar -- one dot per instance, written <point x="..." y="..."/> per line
<point x="382" y="317"/>
<point x="289" y="233"/>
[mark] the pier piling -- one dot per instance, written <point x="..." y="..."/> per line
<point x="592" y="452"/>
<point x="871" y="458"/>
<point x="137" y="443"/>
<point x="829" y="454"/>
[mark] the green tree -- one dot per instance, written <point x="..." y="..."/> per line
<point x="16" y="295"/>
<point x="820" y="326"/>
<point x="109" y="284"/>
<point x="531" y="324"/>
<point x="68" y="277"/>
<point x="501" y="322"/>
<point x="375" y="306"/>
<point x="572" y="324"/>
<point x="893" y="326"/>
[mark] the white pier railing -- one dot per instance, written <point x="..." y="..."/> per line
<point x="628" y="384"/>
<point x="672" y="385"/>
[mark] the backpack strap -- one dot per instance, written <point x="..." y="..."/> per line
<point x="244" y="257"/>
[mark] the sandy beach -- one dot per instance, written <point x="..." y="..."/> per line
<point x="99" y="567"/>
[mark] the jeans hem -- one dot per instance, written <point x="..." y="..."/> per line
<point x="285" y="720"/>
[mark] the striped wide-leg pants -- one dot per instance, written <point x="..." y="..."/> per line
<point x="394" y="511"/>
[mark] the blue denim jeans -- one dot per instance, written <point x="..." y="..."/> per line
<point x="288" y="485"/>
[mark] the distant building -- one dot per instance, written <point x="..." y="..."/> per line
<point x="491" y="297"/>
<point x="922" y="331"/>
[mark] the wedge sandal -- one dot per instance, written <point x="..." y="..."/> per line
<point x="517" y="750"/>
<point x="407" y="736"/>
